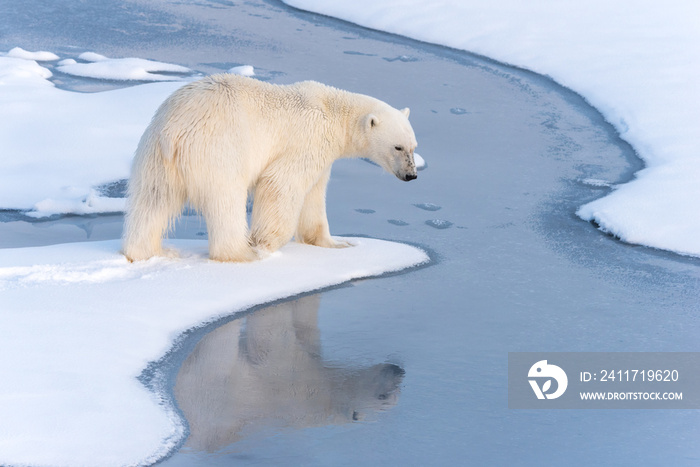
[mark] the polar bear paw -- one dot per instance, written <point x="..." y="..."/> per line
<point x="331" y="242"/>
<point x="341" y="243"/>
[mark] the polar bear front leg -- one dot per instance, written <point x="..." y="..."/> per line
<point x="312" y="227"/>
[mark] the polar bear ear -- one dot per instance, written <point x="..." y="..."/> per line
<point x="371" y="121"/>
<point x="406" y="111"/>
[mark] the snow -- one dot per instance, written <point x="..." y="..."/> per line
<point x="244" y="70"/>
<point x="92" y="57"/>
<point x="418" y="159"/>
<point x="637" y="62"/>
<point x="17" y="74"/>
<point x="124" y="69"/>
<point x="41" y="56"/>
<point x="74" y="201"/>
<point x="80" y="324"/>
<point x="58" y="146"/>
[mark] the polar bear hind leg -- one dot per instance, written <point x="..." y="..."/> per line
<point x="153" y="203"/>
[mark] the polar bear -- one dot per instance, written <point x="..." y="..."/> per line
<point x="217" y="140"/>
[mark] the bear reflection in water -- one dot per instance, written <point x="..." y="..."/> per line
<point x="266" y="370"/>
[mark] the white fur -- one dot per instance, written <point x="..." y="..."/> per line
<point x="216" y="140"/>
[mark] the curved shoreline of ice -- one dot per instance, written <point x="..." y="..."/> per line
<point x="81" y="323"/>
<point x="638" y="64"/>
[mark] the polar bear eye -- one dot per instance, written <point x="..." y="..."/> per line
<point x="398" y="148"/>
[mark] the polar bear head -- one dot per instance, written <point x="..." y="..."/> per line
<point x="389" y="141"/>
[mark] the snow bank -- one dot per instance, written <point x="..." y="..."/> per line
<point x="80" y="324"/>
<point x="16" y="73"/>
<point x="41" y="56"/>
<point x="638" y="62"/>
<point x="121" y="69"/>
<point x="57" y="145"/>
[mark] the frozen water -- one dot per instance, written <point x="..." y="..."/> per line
<point x="516" y="271"/>
<point x="639" y="64"/>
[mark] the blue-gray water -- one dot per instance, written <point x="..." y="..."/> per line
<point x="419" y="359"/>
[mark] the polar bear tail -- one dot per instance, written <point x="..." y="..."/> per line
<point x="156" y="196"/>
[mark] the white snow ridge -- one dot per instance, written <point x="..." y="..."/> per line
<point x="122" y="69"/>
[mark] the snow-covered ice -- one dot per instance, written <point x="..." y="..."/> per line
<point x="637" y="62"/>
<point x="40" y="56"/>
<point x="59" y="146"/>
<point x="122" y="69"/>
<point x="92" y="57"/>
<point x="17" y="74"/>
<point x="244" y="70"/>
<point x="418" y="159"/>
<point x="80" y="323"/>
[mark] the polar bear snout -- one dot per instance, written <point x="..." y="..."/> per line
<point x="403" y="164"/>
<point x="407" y="168"/>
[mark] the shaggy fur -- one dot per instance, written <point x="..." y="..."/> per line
<point x="214" y="141"/>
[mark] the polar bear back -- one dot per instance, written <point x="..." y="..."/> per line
<point x="221" y="118"/>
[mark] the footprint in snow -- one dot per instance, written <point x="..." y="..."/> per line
<point x="398" y="222"/>
<point x="439" y="224"/>
<point x="428" y="206"/>
<point x="402" y="58"/>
